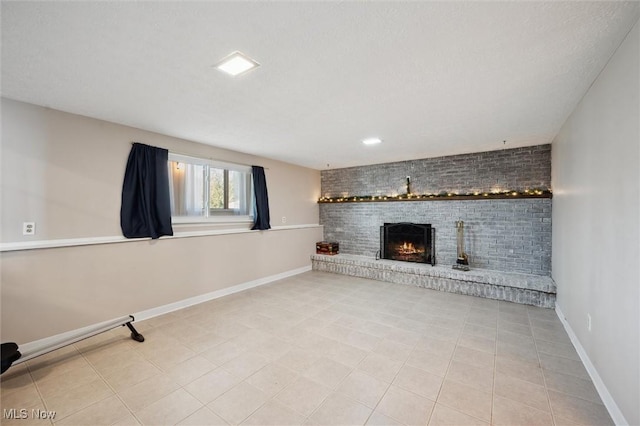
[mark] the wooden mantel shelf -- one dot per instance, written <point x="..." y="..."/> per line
<point x="511" y="195"/>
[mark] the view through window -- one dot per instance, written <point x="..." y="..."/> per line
<point x="207" y="189"/>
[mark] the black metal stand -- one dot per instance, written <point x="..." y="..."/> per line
<point x="134" y="333"/>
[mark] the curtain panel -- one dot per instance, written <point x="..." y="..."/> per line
<point x="261" y="214"/>
<point x="146" y="207"/>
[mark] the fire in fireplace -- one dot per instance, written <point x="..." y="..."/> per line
<point x="408" y="242"/>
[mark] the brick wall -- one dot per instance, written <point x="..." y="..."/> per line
<point x="518" y="169"/>
<point x="504" y="235"/>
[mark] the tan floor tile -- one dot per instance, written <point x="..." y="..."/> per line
<point x="25" y="396"/>
<point x="363" y="388"/>
<point x="379" y="419"/>
<point x="478" y="343"/>
<point x="522" y="391"/>
<point x="393" y="350"/>
<point x="519" y="369"/>
<point x="170" y="356"/>
<point x="303" y="395"/>
<point x="335" y="332"/>
<point x="466" y="399"/>
<point x="555" y="335"/>
<point x="212" y="385"/>
<point x="245" y="365"/>
<point x="445" y="416"/>
<point x="49" y="386"/>
<point x="128" y="420"/>
<point x="327" y="372"/>
<point x="346" y="354"/>
<point x="517" y="352"/>
<point x="16" y="378"/>
<point x="406" y="407"/>
<point x="524" y="340"/>
<point x="338" y="409"/>
<point x="486" y="320"/>
<point x="520" y="318"/>
<point x="131" y="374"/>
<point x="147" y="392"/>
<point x="298" y="359"/>
<point x="437" y="347"/>
<point x="157" y="344"/>
<point x="477" y="330"/>
<point x="578" y="410"/>
<point x="508" y="412"/>
<point x="117" y="361"/>
<point x="571" y="385"/>
<point x="512" y="327"/>
<point x="67" y="403"/>
<point x="474" y="357"/>
<point x="377" y="329"/>
<point x="106" y="412"/>
<point x="203" y="416"/>
<point x="189" y="370"/>
<point x="477" y="377"/>
<point x="429" y="362"/>
<point x="274" y="414"/>
<point x="419" y="382"/>
<point x="316" y="343"/>
<point x="224" y="352"/>
<point x="272" y="349"/>
<point x="205" y="342"/>
<point x="406" y="337"/>
<point x="557" y="349"/>
<point x="169" y="410"/>
<point x="56" y="366"/>
<point x="362" y="340"/>
<point x="409" y="335"/>
<point x="380" y="367"/>
<point x="272" y="378"/>
<point x="564" y="366"/>
<point x="238" y="403"/>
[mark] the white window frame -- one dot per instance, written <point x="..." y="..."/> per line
<point x="222" y="218"/>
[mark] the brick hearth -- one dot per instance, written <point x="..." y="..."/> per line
<point x="536" y="290"/>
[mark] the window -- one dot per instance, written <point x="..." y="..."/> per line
<point x="207" y="190"/>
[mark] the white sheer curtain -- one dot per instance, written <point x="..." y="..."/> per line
<point x="187" y="189"/>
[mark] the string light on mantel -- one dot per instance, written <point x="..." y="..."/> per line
<point x="443" y="195"/>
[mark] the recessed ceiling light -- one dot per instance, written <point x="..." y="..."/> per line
<point x="371" y="141"/>
<point x="237" y="63"/>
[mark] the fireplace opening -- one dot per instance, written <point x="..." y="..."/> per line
<point x="408" y="242"/>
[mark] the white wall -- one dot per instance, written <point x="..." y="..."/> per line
<point x="65" y="172"/>
<point x="596" y="215"/>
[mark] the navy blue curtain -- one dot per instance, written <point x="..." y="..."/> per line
<point x="146" y="207"/>
<point x="261" y="214"/>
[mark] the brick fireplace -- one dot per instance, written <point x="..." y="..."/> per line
<point x="507" y="231"/>
<point x="510" y="235"/>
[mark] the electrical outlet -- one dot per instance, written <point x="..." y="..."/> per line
<point x="589" y="322"/>
<point x="284" y="219"/>
<point x="28" y="228"/>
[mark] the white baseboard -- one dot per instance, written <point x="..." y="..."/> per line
<point x="37" y="345"/>
<point x="607" y="399"/>
<point x="165" y="309"/>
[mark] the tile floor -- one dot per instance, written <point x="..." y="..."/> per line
<point x="319" y="349"/>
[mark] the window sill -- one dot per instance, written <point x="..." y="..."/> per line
<point x="212" y="220"/>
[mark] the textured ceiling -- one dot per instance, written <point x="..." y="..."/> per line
<point x="429" y="78"/>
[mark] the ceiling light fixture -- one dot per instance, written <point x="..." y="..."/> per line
<point x="371" y="141"/>
<point x="236" y="63"/>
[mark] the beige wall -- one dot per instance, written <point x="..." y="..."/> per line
<point x="65" y="173"/>
<point x="596" y="215"/>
